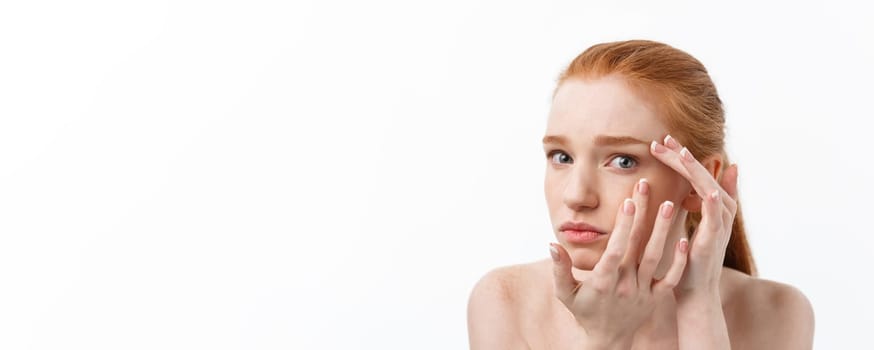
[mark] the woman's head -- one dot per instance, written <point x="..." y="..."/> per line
<point x="638" y="91"/>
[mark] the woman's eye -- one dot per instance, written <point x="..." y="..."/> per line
<point x="559" y="156"/>
<point x="623" y="162"/>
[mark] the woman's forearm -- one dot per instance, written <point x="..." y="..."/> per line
<point x="701" y="324"/>
<point x="623" y="343"/>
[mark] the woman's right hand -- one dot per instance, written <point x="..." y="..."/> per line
<point x="620" y="296"/>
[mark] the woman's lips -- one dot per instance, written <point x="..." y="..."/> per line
<point x="580" y="232"/>
<point x="581" y="237"/>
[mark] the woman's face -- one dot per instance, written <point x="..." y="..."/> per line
<point x="597" y="147"/>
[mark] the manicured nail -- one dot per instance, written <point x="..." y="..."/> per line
<point x="684" y="245"/>
<point x="553" y="252"/>
<point x="643" y="186"/>
<point x="715" y="195"/>
<point x="657" y="148"/>
<point x="628" y="207"/>
<point x="670" y="142"/>
<point x="686" y="155"/>
<point x="667" y="209"/>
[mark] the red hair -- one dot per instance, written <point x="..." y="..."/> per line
<point x="689" y="105"/>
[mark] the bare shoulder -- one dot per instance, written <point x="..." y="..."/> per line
<point x="764" y="314"/>
<point x="493" y="310"/>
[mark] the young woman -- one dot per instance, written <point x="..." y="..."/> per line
<point x="651" y="250"/>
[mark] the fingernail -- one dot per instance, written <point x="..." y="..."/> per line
<point x="684" y="245"/>
<point x="670" y="142"/>
<point x="628" y="207"/>
<point x="667" y="209"/>
<point x="686" y="155"/>
<point x="715" y="195"/>
<point x="553" y="252"/>
<point x="643" y="186"/>
<point x="657" y="148"/>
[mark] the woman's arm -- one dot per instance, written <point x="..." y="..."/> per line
<point x="773" y="316"/>
<point x="701" y="324"/>
<point x="700" y="320"/>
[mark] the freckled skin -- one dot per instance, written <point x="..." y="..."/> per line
<point x="587" y="182"/>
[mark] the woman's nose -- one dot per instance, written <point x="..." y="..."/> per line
<point x="580" y="192"/>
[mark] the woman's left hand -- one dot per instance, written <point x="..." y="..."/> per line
<point x="710" y="240"/>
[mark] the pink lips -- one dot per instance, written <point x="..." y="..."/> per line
<point x="580" y="232"/>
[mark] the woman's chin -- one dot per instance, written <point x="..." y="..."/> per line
<point x="585" y="260"/>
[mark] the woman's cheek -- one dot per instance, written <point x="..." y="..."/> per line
<point x="665" y="187"/>
<point x="623" y="188"/>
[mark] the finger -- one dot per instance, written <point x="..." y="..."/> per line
<point x="671" y="143"/>
<point x="618" y="243"/>
<point x="701" y="177"/>
<point x="565" y="283"/>
<point x="686" y="165"/>
<point x="683" y="162"/>
<point x="675" y="272"/>
<point x="711" y="220"/>
<point x="652" y="256"/>
<point x="639" y="234"/>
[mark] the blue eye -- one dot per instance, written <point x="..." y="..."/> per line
<point x="558" y="156"/>
<point x="623" y="162"/>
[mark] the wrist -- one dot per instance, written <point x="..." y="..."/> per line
<point x="698" y="298"/>
<point x="701" y="323"/>
<point x="618" y="342"/>
<point x="699" y="307"/>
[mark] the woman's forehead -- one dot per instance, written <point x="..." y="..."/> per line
<point x="605" y="106"/>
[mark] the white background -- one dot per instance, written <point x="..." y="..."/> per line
<point x="338" y="175"/>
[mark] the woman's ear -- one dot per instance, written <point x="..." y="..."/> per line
<point x="713" y="164"/>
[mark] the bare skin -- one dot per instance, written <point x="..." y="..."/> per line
<point x="514" y="308"/>
<point x="623" y="289"/>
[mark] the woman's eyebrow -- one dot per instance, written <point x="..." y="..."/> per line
<point x="600" y="140"/>
<point x="561" y="140"/>
<point x="604" y="140"/>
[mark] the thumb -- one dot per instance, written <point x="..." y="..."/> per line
<point x="565" y="283"/>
